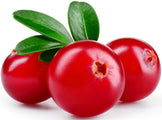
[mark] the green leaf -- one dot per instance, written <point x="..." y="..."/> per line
<point x="83" y="21"/>
<point x="48" y="55"/>
<point x="43" y="24"/>
<point x="36" y="44"/>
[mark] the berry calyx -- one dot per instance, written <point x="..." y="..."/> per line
<point x="13" y="51"/>
<point x="150" y="57"/>
<point x="100" y="69"/>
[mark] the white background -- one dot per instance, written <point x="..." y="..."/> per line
<point x="118" y="18"/>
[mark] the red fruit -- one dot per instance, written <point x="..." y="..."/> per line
<point x="141" y="65"/>
<point x="24" y="78"/>
<point x="86" y="78"/>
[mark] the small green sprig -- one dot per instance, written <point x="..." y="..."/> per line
<point x="83" y="24"/>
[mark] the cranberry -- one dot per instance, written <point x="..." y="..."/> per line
<point x="24" y="78"/>
<point x="86" y="78"/>
<point x="141" y="65"/>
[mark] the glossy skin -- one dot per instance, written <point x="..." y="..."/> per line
<point x="86" y="78"/>
<point x="24" y="78"/>
<point x="141" y="66"/>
